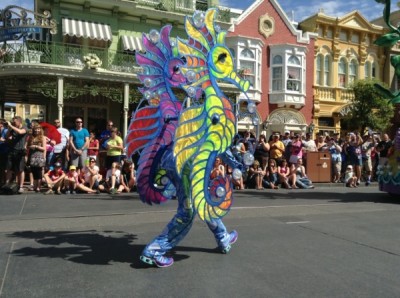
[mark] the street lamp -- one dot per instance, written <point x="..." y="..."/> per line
<point x="311" y="128"/>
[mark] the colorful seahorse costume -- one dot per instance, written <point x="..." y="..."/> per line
<point x="205" y="131"/>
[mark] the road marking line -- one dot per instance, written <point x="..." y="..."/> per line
<point x="296" y="222"/>
<point x="23" y="205"/>
<point x="5" y="271"/>
<point x="285" y="206"/>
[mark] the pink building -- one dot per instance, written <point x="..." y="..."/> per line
<point x="278" y="59"/>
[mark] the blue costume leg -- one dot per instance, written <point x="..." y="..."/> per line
<point x="223" y="238"/>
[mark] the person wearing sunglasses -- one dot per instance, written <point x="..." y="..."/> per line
<point x="78" y="144"/>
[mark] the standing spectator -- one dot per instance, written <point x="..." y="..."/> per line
<point x="262" y="151"/>
<point x="383" y="149"/>
<point x="37" y="155"/>
<point x="106" y="134"/>
<point x="336" y="157"/>
<point x="78" y="144"/>
<point x="3" y="151"/>
<point x="354" y="154"/>
<point x="321" y="144"/>
<point x="366" y="149"/>
<point x="287" y="141"/>
<point x="114" y="148"/>
<point x="249" y="141"/>
<point x="238" y="148"/>
<point x="16" y="138"/>
<point x="55" y="179"/>
<point x="296" y="149"/>
<point x="308" y="146"/>
<point x="60" y="148"/>
<point x="93" y="150"/>
<point x="277" y="148"/>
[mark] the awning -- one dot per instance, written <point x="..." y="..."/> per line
<point x="132" y="43"/>
<point x="86" y="29"/>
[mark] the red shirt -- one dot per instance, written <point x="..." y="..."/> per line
<point x="55" y="174"/>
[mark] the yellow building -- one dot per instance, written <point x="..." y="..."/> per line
<point x="344" y="53"/>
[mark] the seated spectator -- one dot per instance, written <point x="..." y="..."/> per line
<point x="349" y="177"/>
<point x="55" y="179"/>
<point x="302" y="180"/>
<point x="128" y="175"/>
<point x="237" y="183"/>
<point x="91" y="174"/>
<point x="218" y="169"/>
<point x="255" y="177"/>
<point x="286" y="178"/>
<point x="113" y="180"/>
<point x="73" y="183"/>
<point x="271" y="174"/>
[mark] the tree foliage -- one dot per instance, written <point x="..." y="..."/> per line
<point x="369" y="107"/>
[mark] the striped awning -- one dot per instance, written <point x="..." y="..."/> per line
<point x="86" y="29"/>
<point x="132" y="43"/>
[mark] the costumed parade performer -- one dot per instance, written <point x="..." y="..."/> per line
<point x="389" y="174"/>
<point x="178" y="145"/>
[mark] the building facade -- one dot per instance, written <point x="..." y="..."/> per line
<point x="278" y="59"/>
<point x="344" y="52"/>
<point x="86" y="66"/>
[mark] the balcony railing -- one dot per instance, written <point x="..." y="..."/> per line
<point x="67" y="55"/>
<point x="333" y="94"/>
<point x="184" y="6"/>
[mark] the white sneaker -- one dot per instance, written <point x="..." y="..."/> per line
<point x="21" y="190"/>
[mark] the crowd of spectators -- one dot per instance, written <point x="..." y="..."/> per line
<point x="82" y="162"/>
<point x="281" y="159"/>
<point x="72" y="163"/>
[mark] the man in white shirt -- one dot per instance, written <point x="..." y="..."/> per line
<point x="60" y="148"/>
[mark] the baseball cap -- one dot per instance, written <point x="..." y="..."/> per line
<point x="276" y="134"/>
<point x="72" y="167"/>
<point x="57" y="165"/>
<point x="350" y="167"/>
<point x="287" y="132"/>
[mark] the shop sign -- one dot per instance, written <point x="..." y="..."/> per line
<point x="17" y="22"/>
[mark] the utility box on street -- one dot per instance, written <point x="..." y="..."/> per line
<point x="318" y="166"/>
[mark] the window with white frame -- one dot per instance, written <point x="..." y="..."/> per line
<point x="353" y="71"/>
<point x="327" y="70"/>
<point x="248" y="65"/>
<point x="318" y="70"/>
<point x="294" y="74"/>
<point x="277" y="73"/>
<point x="342" y="72"/>
<point x="367" y="70"/>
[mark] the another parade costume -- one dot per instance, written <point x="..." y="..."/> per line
<point x="179" y="145"/>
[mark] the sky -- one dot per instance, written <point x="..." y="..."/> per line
<point x="302" y="9"/>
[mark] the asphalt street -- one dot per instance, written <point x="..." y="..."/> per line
<point x="330" y="241"/>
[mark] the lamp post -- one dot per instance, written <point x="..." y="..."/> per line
<point x="311" y="128"/>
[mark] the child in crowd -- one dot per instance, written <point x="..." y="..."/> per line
<point x="55" y="179"/>
<point x="93" y="149"/>
<point x="113" y="180"/>
<point x="350" y="177"/>
<point x="72" y="182"/>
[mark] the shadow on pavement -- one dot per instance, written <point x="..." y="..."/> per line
<point x="92" y="247"/>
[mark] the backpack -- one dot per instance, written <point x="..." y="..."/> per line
<point x="9" y="189"/>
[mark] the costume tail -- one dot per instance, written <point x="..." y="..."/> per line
<point x="212" y="199"/>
